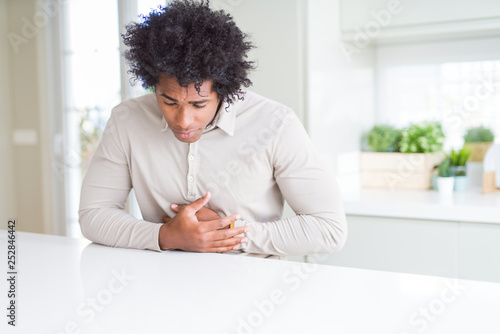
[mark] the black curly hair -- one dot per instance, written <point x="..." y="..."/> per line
<point x="189" y="41"/>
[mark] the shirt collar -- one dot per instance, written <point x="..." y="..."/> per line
<point x="225" y="119"/>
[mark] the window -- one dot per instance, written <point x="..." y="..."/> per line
<point x="456" y="83"/>
<point x="94" y="81"/>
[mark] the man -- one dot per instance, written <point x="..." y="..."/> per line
<point x="210" y="164"/>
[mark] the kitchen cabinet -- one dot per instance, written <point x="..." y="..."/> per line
<point x="412" y="232"/>
<point x="408" y="20"/>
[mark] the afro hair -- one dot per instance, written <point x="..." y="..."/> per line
<point x="193" y="43"/>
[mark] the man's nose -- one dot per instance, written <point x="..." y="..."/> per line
<point x="184" y="118"/>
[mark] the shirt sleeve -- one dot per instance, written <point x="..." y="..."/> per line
<point x="104" y="192"/>
<point x="320" y="224"/>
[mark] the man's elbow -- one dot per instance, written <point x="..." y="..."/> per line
<point x="85" y="219"/>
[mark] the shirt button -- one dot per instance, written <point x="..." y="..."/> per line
<point x="191" y="157"/>
<point x="190" y="179"/>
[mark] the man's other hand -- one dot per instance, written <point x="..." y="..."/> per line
<point x="204" y="214"/>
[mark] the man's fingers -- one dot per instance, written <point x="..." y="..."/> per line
<point x="220" y="249"/>
<point x="229" y="233"/>
<point x="176" y="207"/>
<point x="195" y="206"/>
<point x="225" y="245"/>
<point x="220" y="223"/>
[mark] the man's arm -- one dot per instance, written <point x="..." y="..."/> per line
<point x="105" y="189"/>
<point x="320" y="224"/>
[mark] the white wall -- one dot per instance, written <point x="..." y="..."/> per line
<point x="277" y="29"/>
<point x="21" y="110"/>
<point x="301" y="64"/>
<point x="340" y="88"/>
<point x="7" y="186"/>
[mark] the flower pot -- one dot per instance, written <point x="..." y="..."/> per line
<point x="478" y="150"/>
<point x="459" y="170"/>
<point x="434" y="182"/>
<point x="460" y="183"/>
<point x="445" y="185"/>
<point x="411" y="171"/>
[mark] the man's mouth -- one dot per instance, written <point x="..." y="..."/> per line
<point x="185" y="134"/>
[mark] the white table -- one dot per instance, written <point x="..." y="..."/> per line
<point x="71" y="286"/>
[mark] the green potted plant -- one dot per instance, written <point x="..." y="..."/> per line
<point x="458" y="161"/>
<point x="426" y="137"/>
<point x="445" y="180"/>
<point x="402" y="159"/>
<point x="384" y="138"/>
<point x="478" y="140"/>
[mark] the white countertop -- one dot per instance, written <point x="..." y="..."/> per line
<point x="466" y="206"/>
<point x="67" y="285"/>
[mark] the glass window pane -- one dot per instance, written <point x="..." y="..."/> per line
<point x="460" y="95"/>
<point x="92" y="88"/>
<point x="91" y="25"/>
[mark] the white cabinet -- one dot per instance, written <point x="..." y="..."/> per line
<point x="442" y="248"/>
<point x="413" y="19"/>
<point x="478" y="251"/>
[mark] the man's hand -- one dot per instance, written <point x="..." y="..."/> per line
<point x="204" y="214"/>
<point x="186" y="232"/>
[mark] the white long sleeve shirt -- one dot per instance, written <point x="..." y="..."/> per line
<point x="253" y="156"/>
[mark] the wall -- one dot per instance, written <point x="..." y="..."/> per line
<point x="277" y="28"/>
<point x="7" y="185"/>
<point x="24" y="114"/>
<point x="340" y="90"/>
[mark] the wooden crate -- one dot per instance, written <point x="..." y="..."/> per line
<point x="478" y="150"/>
<point x="398" y="170"/>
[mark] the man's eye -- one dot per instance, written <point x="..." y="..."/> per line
<point x="197" y="106"/>
<point x="169" y="104"/>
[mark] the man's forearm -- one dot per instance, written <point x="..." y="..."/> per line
<point x="114" y="227"/>
<point x="298" y="235"/>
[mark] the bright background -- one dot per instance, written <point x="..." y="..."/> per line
<point x="59" y="83"/>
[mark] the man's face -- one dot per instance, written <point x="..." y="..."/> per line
<point x="186" y="111"/>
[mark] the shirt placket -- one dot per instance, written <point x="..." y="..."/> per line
<point x="191" y="174"/>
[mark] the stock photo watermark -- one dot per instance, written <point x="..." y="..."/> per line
<point x="252" y="145"/>
<point x="12" y="275"/>
<point x="364" y="36"/>
<point x="89" y="309"/>
<point x="454" y="117"/>
<point x="291" y="280"/>
<point x="406" y="168"/>
<point x="420" y="320"/>
<point x="46" y="10"/>
<point x="72" y="160"/>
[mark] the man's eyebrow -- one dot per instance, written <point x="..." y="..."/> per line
<point x="199" y="102"/>
<point x="170" y="98"/>
<point x="190" y="102"/>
